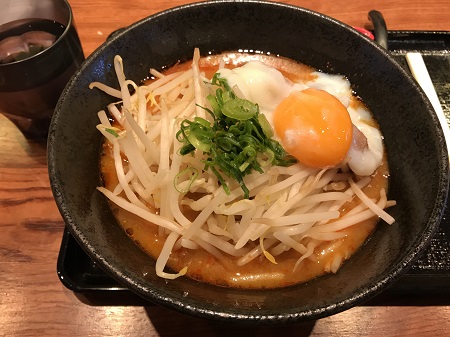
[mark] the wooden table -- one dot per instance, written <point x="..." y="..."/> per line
<point x="33" y="302"/>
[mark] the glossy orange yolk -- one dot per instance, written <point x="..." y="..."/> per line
<point x="314" y="127"/>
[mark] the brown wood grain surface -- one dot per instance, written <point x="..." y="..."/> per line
<point x="33" y="301"/>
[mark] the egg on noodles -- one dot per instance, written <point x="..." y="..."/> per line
<point x="243" y="170"/>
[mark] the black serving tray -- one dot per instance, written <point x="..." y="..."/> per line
<point x="428" y="277"/>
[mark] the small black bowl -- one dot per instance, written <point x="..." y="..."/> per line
<point x="415" y="145"/>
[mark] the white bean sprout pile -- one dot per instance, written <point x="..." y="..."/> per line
<point x="289" y="208"/>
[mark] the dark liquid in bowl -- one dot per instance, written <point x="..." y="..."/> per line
<point x="24" y="38"/>
<point x="32" y="81"/>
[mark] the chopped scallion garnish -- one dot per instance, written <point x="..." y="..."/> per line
<point x="112" y="131"/>
<point x="237" y="142"/>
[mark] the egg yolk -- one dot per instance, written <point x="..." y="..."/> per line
<point x="314" y="127"/>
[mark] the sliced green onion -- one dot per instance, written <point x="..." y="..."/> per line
<point x="192" y="174"/>
<point x="240" y="109"/>
<point x="265" y="125"/>
<point x="236" y="142"/>
<point x="221" y="180"/>
<point x="214" y="104"/>
<point x="202" y="122"/>
<point x="113" y="131"/>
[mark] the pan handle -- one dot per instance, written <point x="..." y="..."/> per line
<point x="379" y="27"/>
